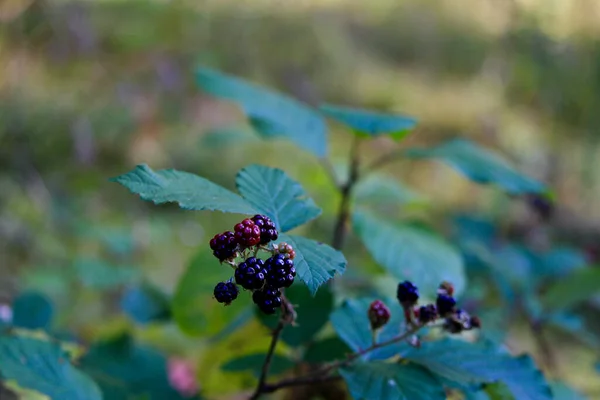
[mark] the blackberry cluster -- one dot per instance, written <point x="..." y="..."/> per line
<point x="247" y="233"/>
<point x="226" y="292"/>
<point x="251" y="274"/>
<point x="268" y="232"/>
<point x="407" y="294"/>
<point x="224" y="245"/>
<point x="280" y="271"/>
<point x="379" y="314"/>
<point x="267" y="299"/>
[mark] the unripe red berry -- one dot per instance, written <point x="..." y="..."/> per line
<point x="446" y="288"/>
<point x="286" y="249"/>
<point x="247" y="233"/>
<point x="379" y="314"/>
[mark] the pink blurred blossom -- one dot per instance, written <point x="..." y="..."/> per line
<point x="182" y="376"/>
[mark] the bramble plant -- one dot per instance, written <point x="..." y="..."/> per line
<point x="417" y="338"/>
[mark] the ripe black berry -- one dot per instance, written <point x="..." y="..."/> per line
<point x="285" y="249"/>
<point x="280" y="271"/>
<point x="445" y="304"/>
<point x="251" y="274"/>
<point x="379" y="314"/>
<point x="247" y="234"/>
<point x="407" y="294"/>
<point x="223" y="245"/>
<point x="475" y="322"/>
<point x="268" y="232"/>
<point x="427" y="313"/>
<point x="225" y="292"/>
<point x="452" y="326"/>
<point x="267" y="299"/>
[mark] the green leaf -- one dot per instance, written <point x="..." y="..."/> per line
<point x="313" y="314"/>
<point x="272" y="114"/>
<point x="32" y="310"/>
<point x="369" y="122"/>
<point x="254" y="362"/>
<point x="97" y="274"/>
<point x="20" y="393"/>
<point x="145" y="303"/>
<point x="275" y="194"/>
<point x="315" y="262"/>
<point x="382" y="191"/>
<point x="190" y="191"/>
<point x="409" y="253"/>
<point x="572" y="289"/>
<point x="44" y="367"/>
<point x="326" y="350"/>
<point x="351" y="323"/>
<point x="563" y="392"/>
<point x="494" y="391"/>
<point x="383" y="381"/>
<point x="480" y="165"/>
<point x="472" y="363"/>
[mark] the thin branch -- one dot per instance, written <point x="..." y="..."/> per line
<point x="385" y="159"/>
<point x="303" y="380"/>
<point x="339" y="234"/>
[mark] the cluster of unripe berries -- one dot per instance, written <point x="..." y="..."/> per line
<point x="455" y="319"/>
<point x="265" y="278"/>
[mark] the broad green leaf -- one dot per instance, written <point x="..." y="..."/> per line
<point x="315" y="262"/>
<point x="32" y="310"/>
<point x="145" y="303"/>
<point x="20" y="393"/>
<point x="382" y="191"/>
<point x="351" y="323"/>
<point x="481" y="165"/>
<point x="572" y="289"/>
<point x="382" y="381"/>
<point x="494" y="391"/>
<point x="326" y="350"/>
<point x="44" y="367"/>
<point x="272" y="192"/>
<point x="313" y="313"/>
<point x="272" y="114"/>
<point x="190" y="191"/>
<point x="254" y="363"/>
<point x="194" y="309"/>
<point x="409" y="253"/>
<point x="472" y="363"/>
<point x="560" y="261"/>
<point x="371" y="123"/>
<point x="563" y="392"/>
<point x="98" y="274"/>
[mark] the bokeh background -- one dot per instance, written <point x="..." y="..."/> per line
<point x="89" y="89"/>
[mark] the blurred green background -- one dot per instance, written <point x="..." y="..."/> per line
<point x="89" y="89"/>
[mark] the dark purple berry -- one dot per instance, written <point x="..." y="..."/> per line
<point x="268" y="299"/>
<point x="225" y="292"/>
<point x="247" y="234"/>
<point x="268" y="232"/>
<point x="445" y="304"/>
<point x="542" y="205"/>
<point x="251" y="274"/>
<point x="407" y="294"/>
<point x="379" y="314"/>
<point x="426" y="314"/>
<point x="223" y="245"/>
<point x="280" y="271"/>
<point x="475" y="322"/>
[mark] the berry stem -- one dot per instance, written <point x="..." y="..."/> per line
<point x="339" y="234"/>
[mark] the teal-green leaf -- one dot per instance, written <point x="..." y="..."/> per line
<point x="43" y="366"/>
<point x="351" y="323"/>
<point x="578" y="286"/>
<point x="563" y="392"/>
<point x="32" y="310"/>
<point x="481" y="165"/>
<point x="315" y="262"/>
<point x="410" y="253"/>
<point x="272" y="192"/>
<point x="326" y="350"/>
<point x="272" y="114"/>
<point x="253" y="363"/>
<point x="371" y="123"/>
<point x="190" y="191"/>
<point x="145" y="303"/>
<point x="382" y="381"/>
<point x="472" y="363"/>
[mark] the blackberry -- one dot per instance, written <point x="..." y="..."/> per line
<point x="247" y="234"/>
<point x="223" y="245"/>
<point x="285" y="249"/>
<point x="379" y="314"/>
<point x="407" y="294"/>
<point x="445" y="304"/>
<point x="426" y="314"/>
<point x="268" y="299"/>
<point x="250" y="274"/>
<point x="280" y="271"/>
<point x="225" y="292"/>
<point x="475" y="322"/>
<point x="452" y="326"/>
<point x="446" y="288"/>
<point x="268" y="232"/>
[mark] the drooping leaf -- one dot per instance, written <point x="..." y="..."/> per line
<point x="313" y="313"/>
<point x="572" y="289"/>
<point x="472" y="363"/>
<point x="563" y="392"/>
<point x="273" y="193"/>
<point x="190" y="191"/>
<point x="481" y="165"/>
<point x="383" y="381"/>
<point x="371" y="123"/>
<point x="145" y="303"/>
<point x="98" y="274"/>
<point x="326" y="350"/>
<point x="272" y="114"/>
<point x="351" y="323"/>
<point x="254" y="362"/>
<point x="381" y="191"/>
<point x="409" y="253"/>
<point x="32" y="310"/>
<point x="315" y="262"/>
<point x="44" y="367"/>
